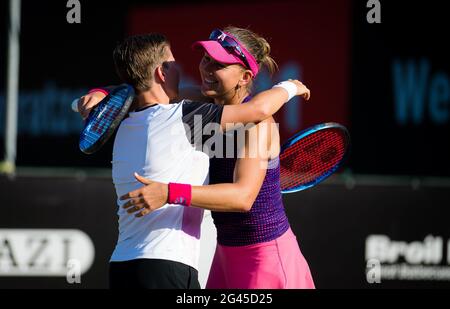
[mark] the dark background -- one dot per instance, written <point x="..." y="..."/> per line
<point x="395" y="182"/>
<point x="78" y="57"/>
<point x="331" y="222"/>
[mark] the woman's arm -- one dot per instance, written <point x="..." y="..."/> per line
<point x="259" y="108"/>
<point x="249" y="174"/>
<point x="263" y="105"/>
<point x="234" y="197"/>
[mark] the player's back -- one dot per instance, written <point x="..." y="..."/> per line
<point x="153" y="142"/>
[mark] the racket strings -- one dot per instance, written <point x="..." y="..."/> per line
<point x="107" y="114"/>
<point x="102" y="119"/>
<point x="312" y="157"/>
<point x="104" y="116"/>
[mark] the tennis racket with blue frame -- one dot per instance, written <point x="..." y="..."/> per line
<point x="104" y="119"/>
<point x="311" y="156"/>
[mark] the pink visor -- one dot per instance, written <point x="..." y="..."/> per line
<point x="227" y="56"/>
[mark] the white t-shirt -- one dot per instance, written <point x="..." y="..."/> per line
<point x="158" y="143"/>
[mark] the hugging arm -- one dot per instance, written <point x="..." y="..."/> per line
<point x="260" y="107"/>
<point x="239" y="196"/>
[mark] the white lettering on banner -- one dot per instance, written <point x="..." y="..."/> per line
<point x="381" y="248"/>
<point x="401" y="260"/>
<point x="47" y="253"/>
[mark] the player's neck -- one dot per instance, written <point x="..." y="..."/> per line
<point x="152" y="96"/>
<point x="232" y="97"/>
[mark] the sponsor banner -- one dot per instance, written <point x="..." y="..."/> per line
<point x="44" y="253"/>
<point x="377" y="234"/>
<point x="60" y="232"/>
<point x="401" y="91"/>
<point x="56" y="232"/>
<point x="422" y="260"/>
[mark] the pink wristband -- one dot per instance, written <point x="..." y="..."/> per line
<point x="104" y="91"/>
<point x="180" y="194"/>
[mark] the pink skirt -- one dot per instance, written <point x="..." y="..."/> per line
<point x="277" y="264"/>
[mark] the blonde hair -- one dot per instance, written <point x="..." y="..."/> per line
<point x="256" y="45"/>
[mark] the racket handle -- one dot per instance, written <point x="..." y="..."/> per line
<point x="75" y="105"/>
